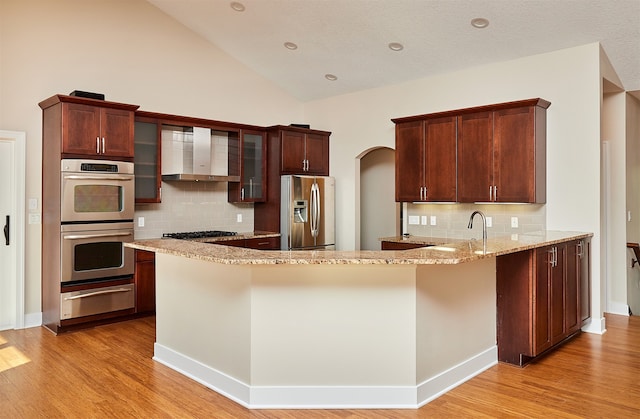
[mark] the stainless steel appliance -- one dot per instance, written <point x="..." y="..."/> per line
<point x="95" y="251"/>
<point x="96" y="191"/>
<point x="199" y="234"/>
<point x="96" y="301"/>
<point x="307" y="219"/>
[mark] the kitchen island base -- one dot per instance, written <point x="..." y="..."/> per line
<point x="326" y="336"/>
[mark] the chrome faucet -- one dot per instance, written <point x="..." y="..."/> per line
<point x="484" y="228"/>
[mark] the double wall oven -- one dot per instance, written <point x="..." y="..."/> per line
<point x="97" y="209"/>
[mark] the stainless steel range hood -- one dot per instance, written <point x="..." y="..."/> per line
<point x="186" y="177"/>
<point x="194" y="154"/>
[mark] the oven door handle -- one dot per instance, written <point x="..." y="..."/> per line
<point x="92" y="294"/>
<point x="80" y="177"/>
<point x="94" y="236"/>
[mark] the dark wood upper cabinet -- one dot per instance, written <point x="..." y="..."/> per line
<point x="304" y="153"/>
<point x="499" y="154"/>
<point x="96" y="131"/>
<point x="248" y="159"/>
<point x="426" y="160"/>
<point x="147" y="160"/>
<point x="410" y="161"/>
<point x="90" y="128"/>
<point x="475" y="157"/>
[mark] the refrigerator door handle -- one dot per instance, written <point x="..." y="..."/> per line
<point x="317" y="210"/>
<point x="313" y="197"/>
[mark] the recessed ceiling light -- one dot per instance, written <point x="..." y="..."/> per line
<point x="290" y="45"/>
<point x="331" y="77"/>
<point x="396" y="46"/>
<point x="237" y="6"/>
<point x="479" y="22"/>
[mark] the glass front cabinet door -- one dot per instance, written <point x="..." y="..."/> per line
<point x="253" y="171"/>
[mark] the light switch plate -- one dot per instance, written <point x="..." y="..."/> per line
<point x="489" y="222"/>
<point x="433" y="220"/>
<point x="514" y="222"/>
<point x="423" y="221"/>
<point x="414" y="219"/>
<point x="140" y="221"/>
<point x="239" y="218"/>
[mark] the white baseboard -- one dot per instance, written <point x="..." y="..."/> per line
<point x="597" y="326"/>
<point x="619" y="308"/>
<point x="32" y="320"/>
<point x="326" y="397"/>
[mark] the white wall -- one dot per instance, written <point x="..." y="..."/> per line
<point x="569" y="79"/>
<point x="131" y="52"/>
<point x="633" y="198"/>
<point x="613" y="132"/>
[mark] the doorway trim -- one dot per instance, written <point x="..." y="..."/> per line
<point x="358" y="192"/>
<point x="19" y="140"/>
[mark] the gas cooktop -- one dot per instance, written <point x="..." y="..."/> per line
<point x="199" y="234"/>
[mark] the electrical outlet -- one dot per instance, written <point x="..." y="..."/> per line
<point x="433" y="220"/>
<point x="514" y="222"/>
<point x="414" y="219"/>
<point x="140" y="221"/>
<point x="423" y="220"/>
<point x="489" y="222"/>
<point x="239" y="218"/>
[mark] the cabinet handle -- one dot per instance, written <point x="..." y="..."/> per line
<point x="307" y="169"/>
<point x="97" y="145"/>
<point x="490" y="193"/>
<point x="495" y="193"/>
<point x="103" y="145"/>
<point x="580" y="250"/>
<point x="242" y="194"/>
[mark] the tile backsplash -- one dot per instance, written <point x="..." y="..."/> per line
<point x="451" y="220"/>
<point x="192" y="206"/>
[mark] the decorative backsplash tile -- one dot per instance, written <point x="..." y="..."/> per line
<point x="192" y="206"/>
<point x="451" y="220"/>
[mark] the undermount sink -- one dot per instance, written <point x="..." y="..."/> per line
<point x="482" y="252"/>
<point x="443" y="248"/>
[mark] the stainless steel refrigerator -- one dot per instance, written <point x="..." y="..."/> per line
<point x="307" y="218"/>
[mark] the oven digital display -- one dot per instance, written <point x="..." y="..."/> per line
<point x="99" y="167"/>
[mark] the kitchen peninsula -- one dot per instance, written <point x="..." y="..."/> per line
<point x="331" y="329"/>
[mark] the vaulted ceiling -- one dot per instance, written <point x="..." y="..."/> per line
<point x="350" y="39"/>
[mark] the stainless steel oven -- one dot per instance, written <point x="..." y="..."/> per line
<point x="96" y="190"/>
<point x="95" y="251"/>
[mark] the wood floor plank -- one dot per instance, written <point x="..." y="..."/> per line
<point x="107" y="372"/>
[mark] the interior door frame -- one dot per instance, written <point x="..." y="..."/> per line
<point x="18" y="138"/>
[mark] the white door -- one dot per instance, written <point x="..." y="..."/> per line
<point x="7" y="250"/>
<point x="12" y="163"/>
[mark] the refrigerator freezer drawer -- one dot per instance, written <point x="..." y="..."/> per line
<point x="96" y="301"/>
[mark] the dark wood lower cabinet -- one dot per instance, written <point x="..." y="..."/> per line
<point x="259" y="243"/>
<point x="542" y="299"/>
<point x="387" y="245"/>
<point x="145" y="280"/>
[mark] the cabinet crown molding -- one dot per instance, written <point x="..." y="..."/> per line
<point x="544" y="104"/>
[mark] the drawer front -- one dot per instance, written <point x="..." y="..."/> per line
<point x="96" y="301"/>
<point x="268" y="243"/>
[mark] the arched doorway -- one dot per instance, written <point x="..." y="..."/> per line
<point x="377" y="211"/>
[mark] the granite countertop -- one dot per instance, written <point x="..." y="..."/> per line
<point x="450" y="253"/>
<point x="427" y="241"/>
<point x="238" y="236"/>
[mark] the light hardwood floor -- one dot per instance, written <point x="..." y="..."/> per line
<point x="107" y="372"/>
